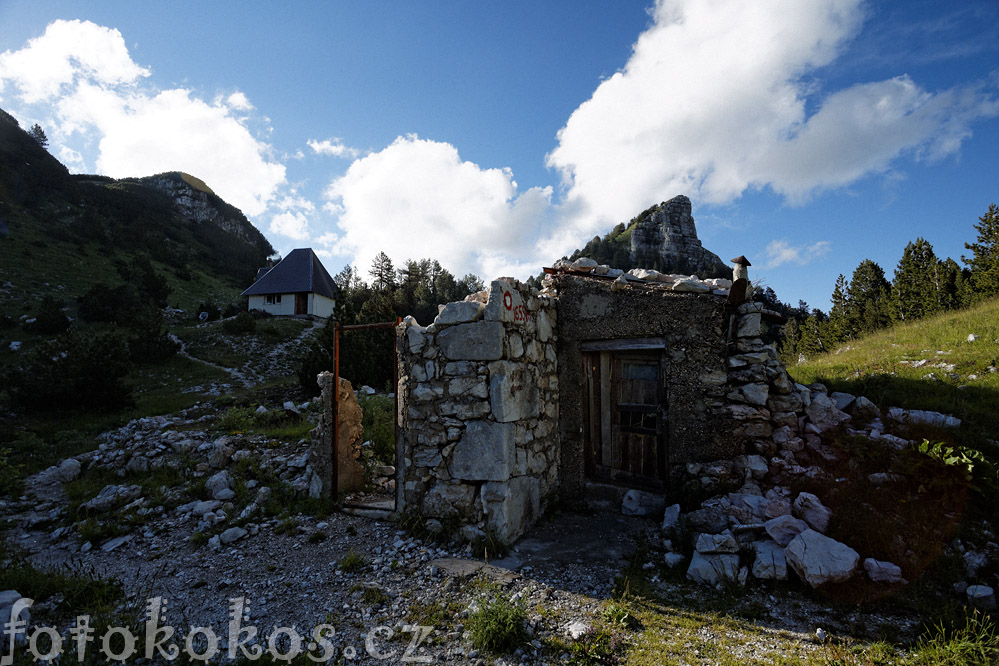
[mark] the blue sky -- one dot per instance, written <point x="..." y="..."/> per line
<point x="497" y="137"/>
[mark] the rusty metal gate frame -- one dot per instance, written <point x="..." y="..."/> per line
<point x="337" y="327"/>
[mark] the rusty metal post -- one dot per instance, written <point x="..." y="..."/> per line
<point x="335" y="487"/>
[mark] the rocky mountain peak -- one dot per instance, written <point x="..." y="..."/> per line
<point x="197" y="203"/>
<point x="665" y="239"/>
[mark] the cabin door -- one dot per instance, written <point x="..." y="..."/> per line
<point x="301" y="304"/>
<point x="625" y="429"/>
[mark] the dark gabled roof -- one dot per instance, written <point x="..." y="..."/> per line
<point x="300" y="271"/>
<point x="261" y="272"/>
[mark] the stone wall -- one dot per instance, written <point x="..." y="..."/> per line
<point x="700" y="420"/>
<point x="478" y="403"/>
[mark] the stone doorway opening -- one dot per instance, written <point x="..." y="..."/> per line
<point x="374" y="460"/>
<point x="625" y="433"/>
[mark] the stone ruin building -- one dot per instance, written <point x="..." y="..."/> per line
<point x="623" y="389"/>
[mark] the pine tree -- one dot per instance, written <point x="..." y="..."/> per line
<point x="918" y="288"/>
<point x="38" y="134"/>
<point x="956" y="285"/>
<point x="984" y="263"/>
<point x="868" y="296"/>
<point x="839" y="327"/>
<point x="382" y="272"/>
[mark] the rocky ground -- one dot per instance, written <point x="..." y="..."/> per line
<point x="173" y="511"/>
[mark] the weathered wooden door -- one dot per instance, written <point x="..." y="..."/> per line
<point x="301" y="304"/>
<point x="625" y="417"/>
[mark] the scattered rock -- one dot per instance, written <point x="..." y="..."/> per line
<point x="232" y="534"/>
<point x="116" y="542"/>
<point x="770" y="562"/>
<point x="716" y="543"/>
<point x="981" y="596"/>
<point x="810" y="508"/>
<point x="783" y="529"/>
<point x="883" y="572"/>
<point x="111" y="496"/>
<point x="641" y="503"/>
<point x="671" y="517"/>
<point x="713" y="569"/>
<point x="818" y="560"/>
<point x="69" y="470"/>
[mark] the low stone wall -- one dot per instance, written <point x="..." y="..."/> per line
<point x="478" y="403"/>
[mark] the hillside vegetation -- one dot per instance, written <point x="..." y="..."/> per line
<point x="927" y="364"/>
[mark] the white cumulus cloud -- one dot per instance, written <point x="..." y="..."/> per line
<point x="291" y="224"/>
<point x="416" y="198"/>
<point x="722" y="96"/>
<point x="781" y="252"/>
<point x="334" y="147"/>
<point x="67" y="51"/>
<point x="80" y="81"/>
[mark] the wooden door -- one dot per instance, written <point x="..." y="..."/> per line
<point x="301" y="304"/>
<point x="624" y="417"/>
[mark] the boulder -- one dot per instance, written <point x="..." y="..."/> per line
<point x="116" y="542"/>
<point x="713" y="569"/>
<point x="716" y="543"/>
<point x="823" y="413"/>
<point x="842" y="400"/>
<point x="673" y="560"/>
<point x="922" y="417"/>
<point x="707" y="519"/>
<point x="883" y="572"/>
<point x="864" y="411"/>
<point x="671" y="517"/>
<point x="770" y="563"/>
<point x="218" y="482"/>
<point x="783" y="529"/>
<point x="981" y="596"/>
<point x="111" y="496"/>
<point x="69" y="470"/>
<point x="819" y="560"/>
<point x="641" y="503"/>
<point x="810" y="508"/>
<point x="232" y="534"/>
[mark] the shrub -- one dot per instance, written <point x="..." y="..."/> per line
<point x="74" y="370"/>
<point x="211" y="308"/>
<point x="104" y="303"/>
<point x="498" y="624"/>
<point x="10" y="474"/>
<point x="50" y="319"/>
<point x="150" y="342"/>
<point x="236" y="419"/>
<point x="352" y="562"/>
<point x="241" y="324"/>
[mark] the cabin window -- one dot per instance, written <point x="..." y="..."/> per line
<point x="273" y="298"/>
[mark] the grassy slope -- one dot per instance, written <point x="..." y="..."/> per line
<point x="880" y="367"/>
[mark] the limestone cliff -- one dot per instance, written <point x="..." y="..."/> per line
<point x="664" y="238"/>
<point x="196" y="202"/>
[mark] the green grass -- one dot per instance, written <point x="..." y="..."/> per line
<point x="210" y="342"/>
<point x="353" y="562"/>
<point x="880" y="367"/>
<point x="498" y="624"/>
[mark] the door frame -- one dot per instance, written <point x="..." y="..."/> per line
<point x="598" y="409"/>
